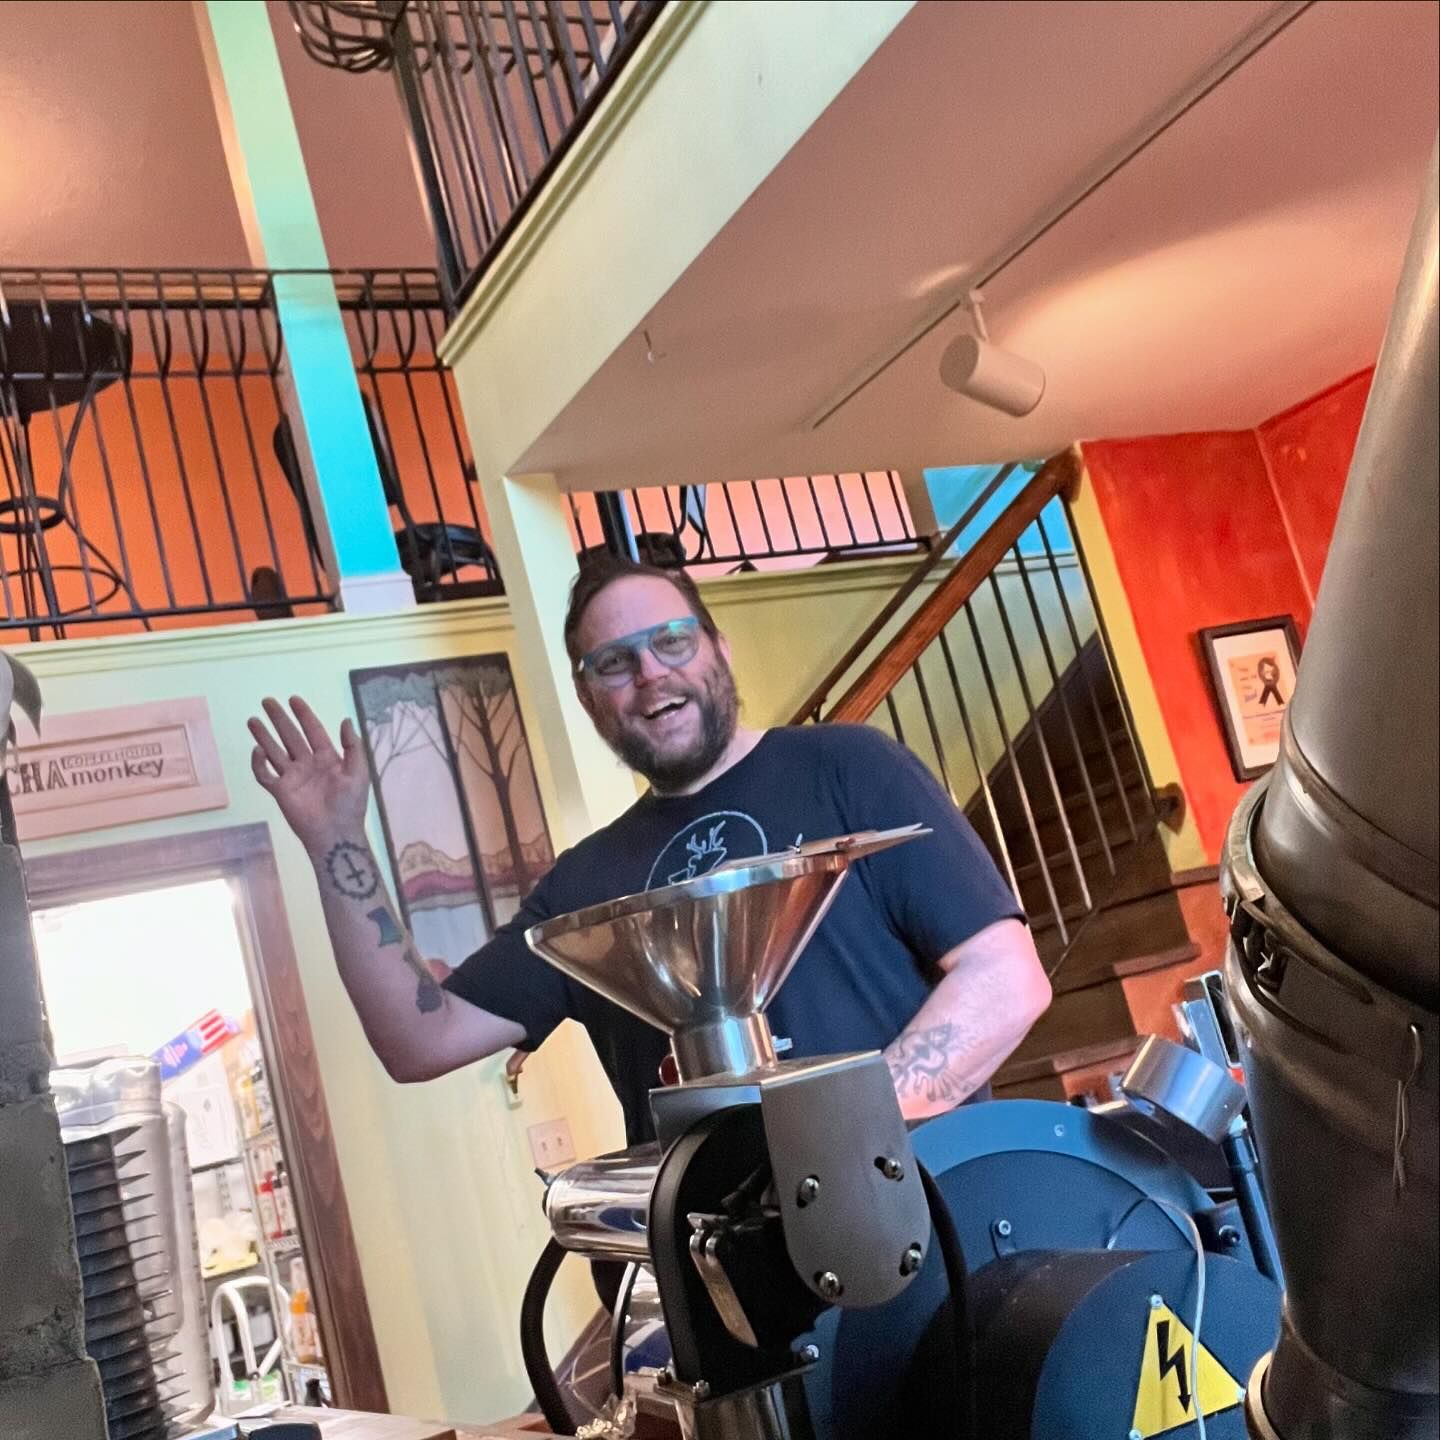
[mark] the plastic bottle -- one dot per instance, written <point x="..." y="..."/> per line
<point x="264" y="1102"/>
<point x="265" y="1203"/>
<point x="284" y="1201"/>
<point x="304" y="1332"/>
<point x="245" y="1099"/>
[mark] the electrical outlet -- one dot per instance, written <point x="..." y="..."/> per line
<point x="551" y="1144"/>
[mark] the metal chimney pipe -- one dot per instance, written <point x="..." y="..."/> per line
<point x="1330" y="878"/>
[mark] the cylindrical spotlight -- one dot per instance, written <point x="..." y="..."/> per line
<point x="984" y="372"/>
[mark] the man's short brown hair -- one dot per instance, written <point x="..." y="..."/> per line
<point x="602" y="571"/>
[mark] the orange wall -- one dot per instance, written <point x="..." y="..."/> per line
<point x="1220" y="527"/>
<point x="1308" y="450"/>
<point x="158" y="470"/>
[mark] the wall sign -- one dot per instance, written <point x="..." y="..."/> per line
<point x="96" y="768"/>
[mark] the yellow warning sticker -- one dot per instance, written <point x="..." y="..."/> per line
<point x="1163" y="1399"/>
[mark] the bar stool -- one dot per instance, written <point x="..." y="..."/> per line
<point x="53" y="354"/>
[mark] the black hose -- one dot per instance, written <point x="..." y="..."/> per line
<point x="957" y="1275"/>
<point x="532" y="1341"/>
<point x="617" y="1331"/>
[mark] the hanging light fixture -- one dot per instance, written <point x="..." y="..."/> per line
<point x="973" y="367"/>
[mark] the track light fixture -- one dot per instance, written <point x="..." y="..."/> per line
<point x="973" y="367"/>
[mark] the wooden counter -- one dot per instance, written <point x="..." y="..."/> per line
<point x="349" y="1425"/>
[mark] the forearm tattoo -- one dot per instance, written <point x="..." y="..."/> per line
<point x="352" y="871"/>
<point x="429" y="996"/>
<point x="921" y="1064"/>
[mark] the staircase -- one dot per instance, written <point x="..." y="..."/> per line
<point x="995" y="669"/>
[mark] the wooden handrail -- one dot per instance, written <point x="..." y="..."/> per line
<point x="815" y="702"/>
<point x="1060" y="475"/>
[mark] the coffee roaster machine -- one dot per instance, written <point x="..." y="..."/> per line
<point x="1014" y="1268"/>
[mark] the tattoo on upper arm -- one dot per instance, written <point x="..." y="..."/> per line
<point x="920" y="1062"/>
<point x="352" y="870"/>
<point x="429" y="997"/>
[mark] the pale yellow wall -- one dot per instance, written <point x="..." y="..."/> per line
<point x="439" y="1177"/>
<point x="1184" y="847"/>
<point x="439" y="1180"/>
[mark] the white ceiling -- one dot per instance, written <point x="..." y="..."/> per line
<point x="110" y="152"/>
<point x="1243" y="261"/>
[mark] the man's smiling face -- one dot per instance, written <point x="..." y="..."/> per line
<point x="671" y="724"/>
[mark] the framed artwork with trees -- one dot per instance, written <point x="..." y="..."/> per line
<point x="458" y="800"/>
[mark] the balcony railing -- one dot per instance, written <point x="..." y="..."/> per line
<point x="493" y="93"/>
<point x="150" y="476"/>
<point x="780" y="523"/>
<point x="148" y="470"/>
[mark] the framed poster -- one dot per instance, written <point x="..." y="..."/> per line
<point x="459" y="803"/>
<point x="1252" y="667"/>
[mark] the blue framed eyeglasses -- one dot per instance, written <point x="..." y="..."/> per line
<point x="616" y="663"/>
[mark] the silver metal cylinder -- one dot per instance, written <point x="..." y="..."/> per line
<point x="601" y="1207"/>
<point x="776" y="1411"/>
<point x="729" y="1045"/>
<point x="1179" y="1083"/>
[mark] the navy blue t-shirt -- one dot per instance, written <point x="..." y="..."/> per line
<point x="869" y="965"/>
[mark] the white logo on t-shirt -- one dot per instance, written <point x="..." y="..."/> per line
<point x="705" y="843"/>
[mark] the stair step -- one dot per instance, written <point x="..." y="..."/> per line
<point x="1061" y="750"/>
<point x="1095" y="1015"/>
<point x="1076" y="810"/>
<point x="1147" y="925"/>
<point x="1141" y="869"/>
<point x="1119" y="1050"/>
<point x="1071" y="977"/>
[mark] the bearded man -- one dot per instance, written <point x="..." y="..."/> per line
<point x="923" y="955"/>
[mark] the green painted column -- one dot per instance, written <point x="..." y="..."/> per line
<point x="537" y="559"/>
<point x="283" y="232"/>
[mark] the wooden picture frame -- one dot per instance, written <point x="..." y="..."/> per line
<point x="242" y="854"/>
<point x="451" y="731"/>
<point x="1252" y="666"/>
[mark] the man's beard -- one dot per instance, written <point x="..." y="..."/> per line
<point x="719" y="707"/>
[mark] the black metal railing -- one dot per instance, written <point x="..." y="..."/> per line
<point x="750" y="524"/>
<point x="1002" y="680"/>
<point x="148" y="467"/>
<point x="493" y="93"/>
<point x="395" y="320"/>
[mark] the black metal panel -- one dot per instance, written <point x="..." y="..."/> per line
<point x="724" y="526"/>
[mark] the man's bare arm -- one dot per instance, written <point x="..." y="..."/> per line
<point x="416" y="1028"/>
<point x="994" y="989"/>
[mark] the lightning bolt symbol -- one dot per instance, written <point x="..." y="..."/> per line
<point x="1175" y="1362"/>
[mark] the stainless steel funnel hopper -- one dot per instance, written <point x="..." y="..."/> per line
<point x="702" y="959"/>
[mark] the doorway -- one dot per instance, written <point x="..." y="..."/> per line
<point x="178" y="948"/>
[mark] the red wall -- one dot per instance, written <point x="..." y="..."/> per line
<point x="1199" y="540"/>
<point x="1308" y="450"/>
<point x="1213" y="528"/>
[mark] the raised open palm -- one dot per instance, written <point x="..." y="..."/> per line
<point x="321" y="791"/>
